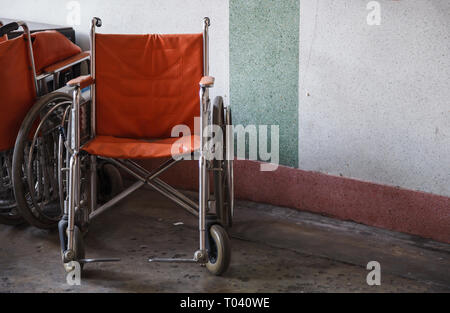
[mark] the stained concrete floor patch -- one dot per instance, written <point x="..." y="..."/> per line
<point x="274" y="250"/>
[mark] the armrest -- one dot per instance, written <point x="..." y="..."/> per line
<point x="81" y="81"/>
<point x="73" y="60"/>
<point x="207" y="82"/>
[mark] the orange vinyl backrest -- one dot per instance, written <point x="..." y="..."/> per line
<point x="3" y="38"/>
<point x="17" y="92"/>
<point x="147" y="84"/>
<point x="50" y="47"/>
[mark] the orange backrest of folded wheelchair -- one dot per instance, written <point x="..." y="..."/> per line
<point x="147" y="84"/>
<point x="50" y="47"/>
<point x="17" y="92"/>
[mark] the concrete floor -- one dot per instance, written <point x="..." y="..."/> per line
<point x="274" y="250"/>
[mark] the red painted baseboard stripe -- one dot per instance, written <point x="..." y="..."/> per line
<point x="387" y="207"/>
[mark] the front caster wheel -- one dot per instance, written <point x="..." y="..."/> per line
<point x="220" y="252"/>
<point x="77" y="251"/>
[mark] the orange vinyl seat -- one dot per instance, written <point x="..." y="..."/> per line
<point x="125" y="148"/>
<point x="146" y="85"/>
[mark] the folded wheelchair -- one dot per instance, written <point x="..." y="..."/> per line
<point x="142" y="86"/>
<point x="28" y="64"/>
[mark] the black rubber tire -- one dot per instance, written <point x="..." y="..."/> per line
<point x="110" y="182"/>
<point x="218" y="119"/>
<point x="223" y="211"/>
<point x="220" y="256"/>
<point x="229" y="183"/>
<point x="23" y="206"/>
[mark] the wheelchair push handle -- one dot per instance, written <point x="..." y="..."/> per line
<point x="9" y="28"/>
<point x="97" y="22"/>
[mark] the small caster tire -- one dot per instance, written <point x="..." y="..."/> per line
<point x="220" y="255"/>
<point x="78" y="249"/>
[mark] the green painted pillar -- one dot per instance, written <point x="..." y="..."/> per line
<point x="264" y="68"/>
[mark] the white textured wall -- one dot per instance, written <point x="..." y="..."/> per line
<point x="139" y="16"/>
<point x="379" y="104"/>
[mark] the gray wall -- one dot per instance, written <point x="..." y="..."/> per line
<point x="379" y="99"/>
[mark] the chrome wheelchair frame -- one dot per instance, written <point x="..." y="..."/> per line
<point x="70" y="232"/>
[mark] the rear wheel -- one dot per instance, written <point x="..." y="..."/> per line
<point x="223" y="193"/>
<point x="35" y="162"/>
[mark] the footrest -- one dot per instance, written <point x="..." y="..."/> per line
<point x="105" y="260"/>
<point x="156" y="260"/>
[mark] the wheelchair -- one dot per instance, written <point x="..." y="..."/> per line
<point x="142" y="86"/>
<point x="28" y="63"/>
